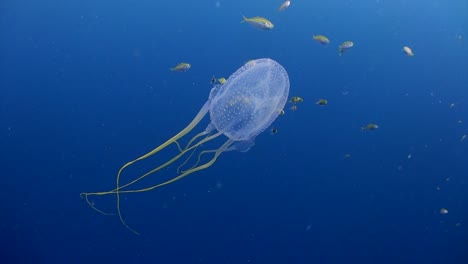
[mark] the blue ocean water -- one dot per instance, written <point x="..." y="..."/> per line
<point x="86" y="87"/>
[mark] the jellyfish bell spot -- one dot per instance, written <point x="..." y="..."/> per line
<point x="242" y="108"/>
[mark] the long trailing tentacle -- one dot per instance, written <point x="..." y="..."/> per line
<point x="195" y="137"/>
<point x="178" y="146"/>
<point x="207" y="133"/>
<point x="118" y="190"/>
<point x="187" y="172"/>
<point x="199" y="157"/>
<point x="186" y="160"/>
<point x="183" y="132"/>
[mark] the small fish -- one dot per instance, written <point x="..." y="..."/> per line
<point x="259" y="22"/>
<point x="370" y="127"/>
<point x="222" y="80"/>
<point x="322" y="102"/>
<point x="321" y="39"/>
<point x="181" y="67"/>
<point x="284" y="5"/>
<point x="408" y="51"/>
<point x="443" y="211"/>
<point x="294" y="108"/>
<point x="274" y="130"/>
<point x="462" y="138"/>
<point x="250" y="63"/>
<point x="296" y="99"/>
<point x="345" y="46"/>
<point x="452" y="105"/>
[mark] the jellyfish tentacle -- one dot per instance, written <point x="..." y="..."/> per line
<point x="207" y="133"/>
<point x="186" y="160"/>
<point x="187" y="172"/>
<point x="203" y="111"/>
<point x="229" y="148"/>
<point x="178" y="146"/>
<point x="199" y="157"/>
<point x="182" y="133"/>
<point x="117" y="191"/>
<point x="190" y="171"/>
<point x="210" y="128"/>
<point x="195" y="138"/>
<point x="85" y="196"/>
<point x="190" y="126"/>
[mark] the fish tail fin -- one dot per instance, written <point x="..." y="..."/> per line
<point x="243" y="19"/>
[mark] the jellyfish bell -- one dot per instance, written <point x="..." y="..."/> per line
<point x="250" y="101"/>
<point x="242" y="108"/>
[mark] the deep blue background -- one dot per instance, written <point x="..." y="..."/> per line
<point x="85" y="87"/>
